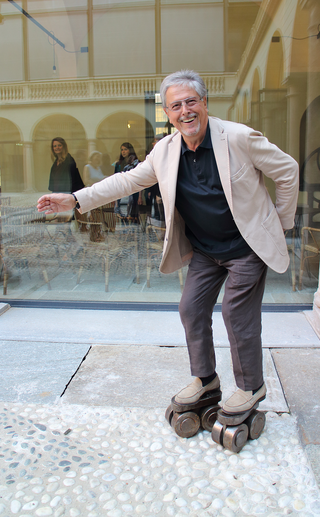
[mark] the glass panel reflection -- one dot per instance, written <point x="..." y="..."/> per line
<point x="89" y="71"/>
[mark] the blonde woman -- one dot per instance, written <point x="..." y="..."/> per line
<point x="64" y="174"/>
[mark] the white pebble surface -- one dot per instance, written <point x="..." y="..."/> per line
<point x="122" y="462"/>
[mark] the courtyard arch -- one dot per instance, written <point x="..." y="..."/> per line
<point x="48" y="128"/>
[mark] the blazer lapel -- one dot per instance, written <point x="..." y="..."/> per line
<point x="174" y="151"/>
<point x="221" y="151"/>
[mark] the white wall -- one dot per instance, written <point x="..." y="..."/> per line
<point x="192" y="37"/>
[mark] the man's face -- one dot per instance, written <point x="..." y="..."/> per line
<point x="190" y="121"/>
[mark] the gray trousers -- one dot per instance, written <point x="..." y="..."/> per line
<point x="241" y="310"/>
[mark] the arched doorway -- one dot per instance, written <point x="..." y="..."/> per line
<point x="124" y="126"/>
<point x="50" y="127"/>
<point x="11" y="158"/>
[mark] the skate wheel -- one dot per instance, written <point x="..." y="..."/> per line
<point x="208" y="416"/>
<point x="185" y="424"/>
<point x="217" y="432"/>
<point x="234" y="438"/>
<point x="169" y="414"/>
<point x="256" y="422"/>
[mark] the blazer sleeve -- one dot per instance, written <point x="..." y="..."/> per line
<point x="282" y="169"/>
<point x="118" y="186"/>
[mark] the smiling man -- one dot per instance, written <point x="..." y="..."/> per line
<point x="220" y="220"/>
<point x="189" y="116"/>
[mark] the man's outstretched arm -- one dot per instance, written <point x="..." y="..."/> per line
<point x="53" y="203"/>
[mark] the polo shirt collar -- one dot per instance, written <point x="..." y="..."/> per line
<point x="206" y="142"/>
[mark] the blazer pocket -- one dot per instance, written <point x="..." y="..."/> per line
<point x="239" y="173"/>
<point x="272" y="226"/>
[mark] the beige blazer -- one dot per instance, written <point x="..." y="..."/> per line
<point x="243" y="156"/>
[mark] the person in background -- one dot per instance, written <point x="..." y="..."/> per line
<point x="106" y="166"/>
<point x="91" y="174"/>
<point x="104" y="220"/>
<point x="92" y="171"/>
<point x="81" y="158"/>
<point x="64" y="174"/>
<point x="127" y="161"/>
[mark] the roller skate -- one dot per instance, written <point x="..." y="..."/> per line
<point x="239" y="420"/>
<point x="186" y="414"/>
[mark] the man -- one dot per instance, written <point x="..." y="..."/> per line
<point x="220" y="220"/>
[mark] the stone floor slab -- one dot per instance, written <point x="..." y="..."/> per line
<point x="145" y="376"/>
<point x="299" y="373"/>
<point x="37" y="372"/>
<point x="141" y="327"/>
<point x="283" y="330"/>
<point x="4" y="307"/>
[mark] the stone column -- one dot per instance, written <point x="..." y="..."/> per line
<point x="296" y="107"/>
<point x="28" y="167"/>
<point x="314" y="316"/>
<point x="91" y="146"/>
<point x="313" y="81"/>
<point x="313" y="123"/>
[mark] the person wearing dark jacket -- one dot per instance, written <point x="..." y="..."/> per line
<point x="64" y="174"/>
<point x="127" y="157"/>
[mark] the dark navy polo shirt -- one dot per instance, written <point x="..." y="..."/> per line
<point x="201" y="202"/>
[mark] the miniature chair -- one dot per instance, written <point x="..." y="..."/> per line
<point x="92" y="241"/>
<point x="22" y="234"/>
<point x="123" y="251"/>
<point x="102" y="218"/>
<point x="59" y="230"/>
<point x="310" y="242"/>
<point x="115" y="244"/>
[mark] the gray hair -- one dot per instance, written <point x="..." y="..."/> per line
<point x="183" y="78"/>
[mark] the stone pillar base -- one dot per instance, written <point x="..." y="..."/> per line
<point x="313" y="316"/>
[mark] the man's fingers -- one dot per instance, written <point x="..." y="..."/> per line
<point x="44" y="204"/>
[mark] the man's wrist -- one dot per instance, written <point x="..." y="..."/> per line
<point x="77" y="205"/>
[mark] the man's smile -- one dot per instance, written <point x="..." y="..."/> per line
<point x="188" y="120"/>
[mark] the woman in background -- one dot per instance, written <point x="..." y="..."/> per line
<point x="127" y="160"/>
<point x="101" y="216"/>
<point x="92" y="171"/>
<point x="64" y="174"/>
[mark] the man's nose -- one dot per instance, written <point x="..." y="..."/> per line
<point x="184" y="108"/>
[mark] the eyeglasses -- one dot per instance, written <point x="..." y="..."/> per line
<point x="189" y="103"/>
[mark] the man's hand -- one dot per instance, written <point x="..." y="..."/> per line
<point x="53" y="203"/>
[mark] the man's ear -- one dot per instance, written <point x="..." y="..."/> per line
<point x="166" y="112"/>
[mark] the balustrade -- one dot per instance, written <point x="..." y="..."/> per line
<point x="90" y="89"/>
